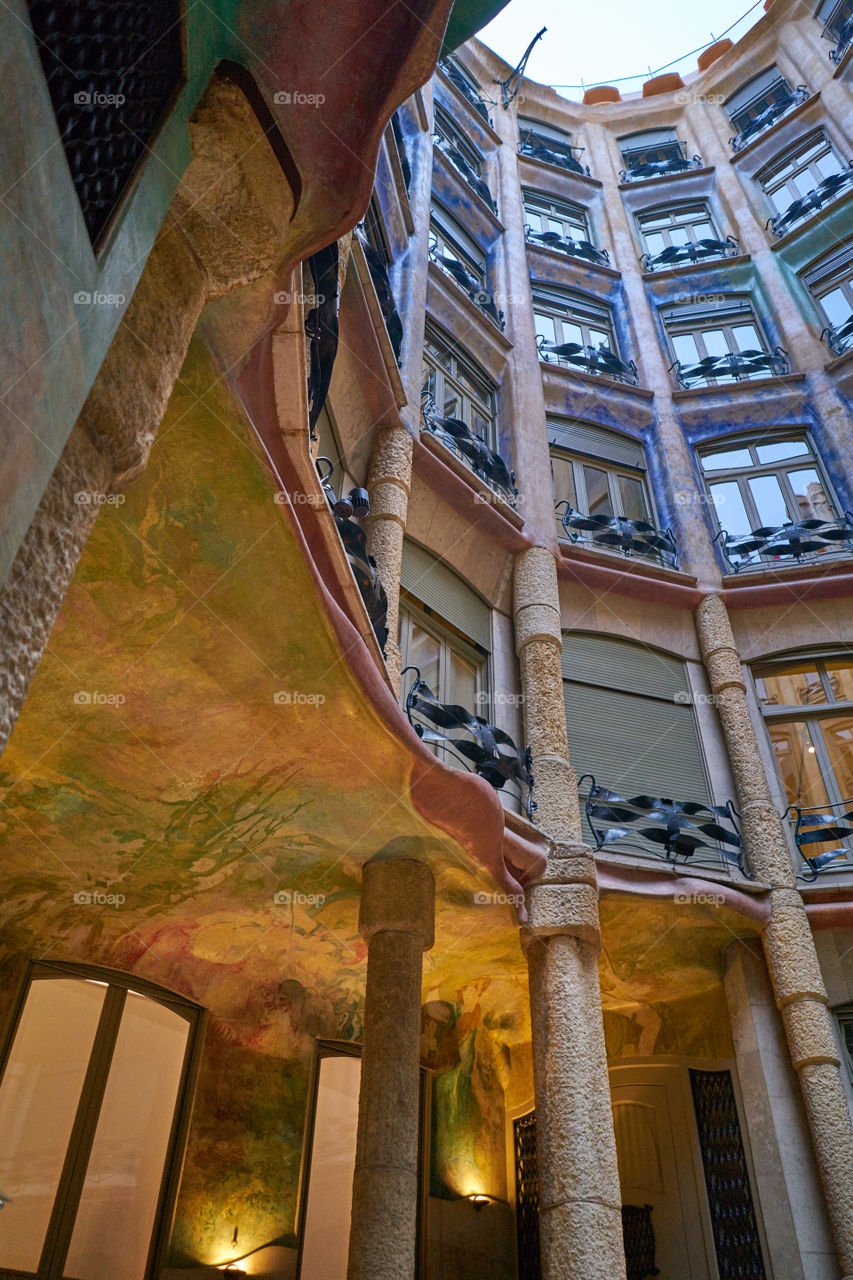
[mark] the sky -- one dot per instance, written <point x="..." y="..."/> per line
<point x="624" y="38"/>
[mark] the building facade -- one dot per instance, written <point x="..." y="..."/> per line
<point x="428" y="669"/>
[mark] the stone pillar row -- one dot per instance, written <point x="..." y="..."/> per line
<point x="788" y="943"/>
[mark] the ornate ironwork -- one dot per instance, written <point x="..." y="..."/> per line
<point x="527" y="1197"/>
<point x="469" y="93"/>
<point x="468" y="283"/>
<point x="461" y="164"/>
<point x="740" y="365"/>
<point x="771" y="113"/>
<point x="680" y="827"/>
<point x="659" y="168"/>
<point x="839" y="338"/>
<point x="511" y="86"/>
<point x="736" y="1239"/>
<point x="347" y="510"/>
<point x="618" y="533"/>
<point x="787" y="541"/>
<point x="564" y="244"/>
<point x="536" y="148"/>
<point x="638" y="1235"/>
<point x="112" y="67"/>
<point x="457" y="436"/>
<point x="385" y="295"/>
<point x="841" y="32"/>
<point x="321" y="328"/>
<point x="480" y="746"/>
<point x="599" y="360"/>
<point x="820" y="824"/>
<point x="694" y="251"/>
<point x="824" y="193"/>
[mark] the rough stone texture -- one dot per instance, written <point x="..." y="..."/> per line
<point x="809" y="1031"/>
<point x="44" y="566"/>
<point x="397" y="913"/>
<point x="389" y="483"/>
<point x="579" y="1198"/>
<point x="565" y="908"/>
<point x="829" y="1121"/>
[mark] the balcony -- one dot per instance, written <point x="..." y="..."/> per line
<point x="464" y="167"/>
<point x="808" y="540"/>
<point x="469" y="93"/>
<point x="671" y="829"/>
<point x="457" y="436"/>
<point x="468" y="283"/>
<point x="637" y="169"/>
<point x="470" y="740"/>
<point x="677" y="255"/>
<point x="818" y="825"/>
<point x="839" y="27"/>
<point x="348" y="510"/>
<point x="536" y="148"/>
<point x="619" y="534"/>
<point x="563" y="244"/>
<point x="824" y="193"/>
<point x="774" y="111"/>
<point x="839" y="338"/>
<point x="739" y="366"/>
<point x="598" y="360"/>
<point x="385" y="295"/>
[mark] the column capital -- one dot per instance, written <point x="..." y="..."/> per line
<point x="397" y="896"/>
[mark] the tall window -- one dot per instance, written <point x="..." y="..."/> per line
<point x="765" y="483"/>
<point x="830" y="282"/>
<point x="652" y="146"/>
<point x="92" y="1083"/>
<point x="799" y="171"/>
<point x="676" y="225"/>
<point x="544" y="213"/>
<point x="808" y="708"/>
<point x="546" y="141"/>
<point x="729" y="329"/>
<point x="458" y="387"/>
<point x="598" y="472"/>
<point x="562" y="315"/>
<point x="449" y="131"/>
<point x="761" y="95"/>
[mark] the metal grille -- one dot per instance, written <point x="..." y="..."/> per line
<point x="527" y="1197"/>
<point x="111" y="68"/>
<point x="726" y="1177"/>
<point x="639" y="1238"/>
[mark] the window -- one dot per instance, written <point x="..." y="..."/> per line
<point x="837" y="19"/>
<point x="547" y="142"/>
<point x="830" y="282"/>
<point x="598" y="472"/>
<point x="799" y="171"/>
<point x="96" y="1073"/>
<point x="765" y="483"/>
<point x="449" y="132"/>
<point x="652" y="153"/>
<point x="460" y="257"/>
<point x="544" y="214"/>
<point x="760" y="103"/>
<point x="807" y="705"/>
<point x="460" y="77"/>
<point x="844" y="1018"/>
<point x="723" y="334"/>
<point x="458" y="387"/>
<point x="563" y="316"/>
<point x="374" y="230"/>
<point x="675" y="226"/>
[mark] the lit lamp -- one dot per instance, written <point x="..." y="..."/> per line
<point x="478" y="1200"/>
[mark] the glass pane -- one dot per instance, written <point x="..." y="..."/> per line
<point x="112" y="1231"/>
<point x="726" y="459"/>
<point x="572" y="333"/>
<point x="840" y="674"/>
<point x="554" y="224"/>
<point x="716" y="342"/>
<point x="781" y="198"/>
<point x="679" y="235"/>
<point x="836" y="306"/>
<point x="810" y="494"/>
<point x="828" y="164"/>
<point x="633" y="498"/>
<point x="481" y="427"/>
<point x="597" y="492"/>
<point x="423" y="653"/>
<point x="655" y="242"/>
<point x="769" y="499"/>
<point x="461" y="682"/>
<point x="563" y="474"/>
<point x="38" y="1101"/>
<point x="797" y="762"/>
<point x="598" y="337"/>
<point x="838" y="736"/>
<point x="746" y="337"/>
<point x="657" y="220"/>
<point x="684" y="346"/>
<point x="534" y="221"/>
<point x="780" y="449"/>
<point x="544" y="327"/>
<point x="704" y="231"/>
<point x="327" y="1219"/>
<point x="797" y="685"/>
<point x="729" y="507"/>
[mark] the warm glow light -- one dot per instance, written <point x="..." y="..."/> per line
<point x="811" y="751"/>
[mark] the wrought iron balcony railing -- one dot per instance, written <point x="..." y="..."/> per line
<point x="468" y="283"/>
<point x="385" y="295"/>
<point x="482" y="748"/>
<point x="839" y="338"/>
<point x="791" y="541"/>
<point x="536" y="148"/>
<point x="618" y="533"/>
<point x="469" y="93"/>
<point x="637" y="170"/>
<point x="694" y="251"/>
<point x="740" y="365"/>
<point x="457" y="436"/>
<point x="772" y="112"/>
<point x="682" y="828"/>
<point x="821" y="824"/>
<point x="462" y="165"/>
<point x="824" y="193"/>
<point x="839" y="29"/>
<point x="347" y="510"/>
<point x="598" y="360"/>
<point x="564" y="244"/>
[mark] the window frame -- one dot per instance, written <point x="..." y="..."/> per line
<point x="810" y="461"/>
<point x="833" y="271"/>
<point x="674" y="210"/>
<point x="450" y="234"/>
<point x="558" y="307"/>
<point x="414" y="612"/>
<point x="652" y="152"/>
<point x="753" y="106"/>
<point x="842" y="1015"/>
<point x="769" y="178"/>
<point x="739" y="309"/>
<point x="443" y="376"/>
<point x="612" y="470"/>
<point x="554" y="138"/>
<point x="63" y="1216"/>
<point x="447" y="129"/>
<point x="572" y="217"/>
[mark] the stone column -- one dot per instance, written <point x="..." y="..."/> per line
<point x="580" y="1221"/>
<point x="788" y="943"/>
<point x="397" y="920"/>
<point x="389" y="482"/>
